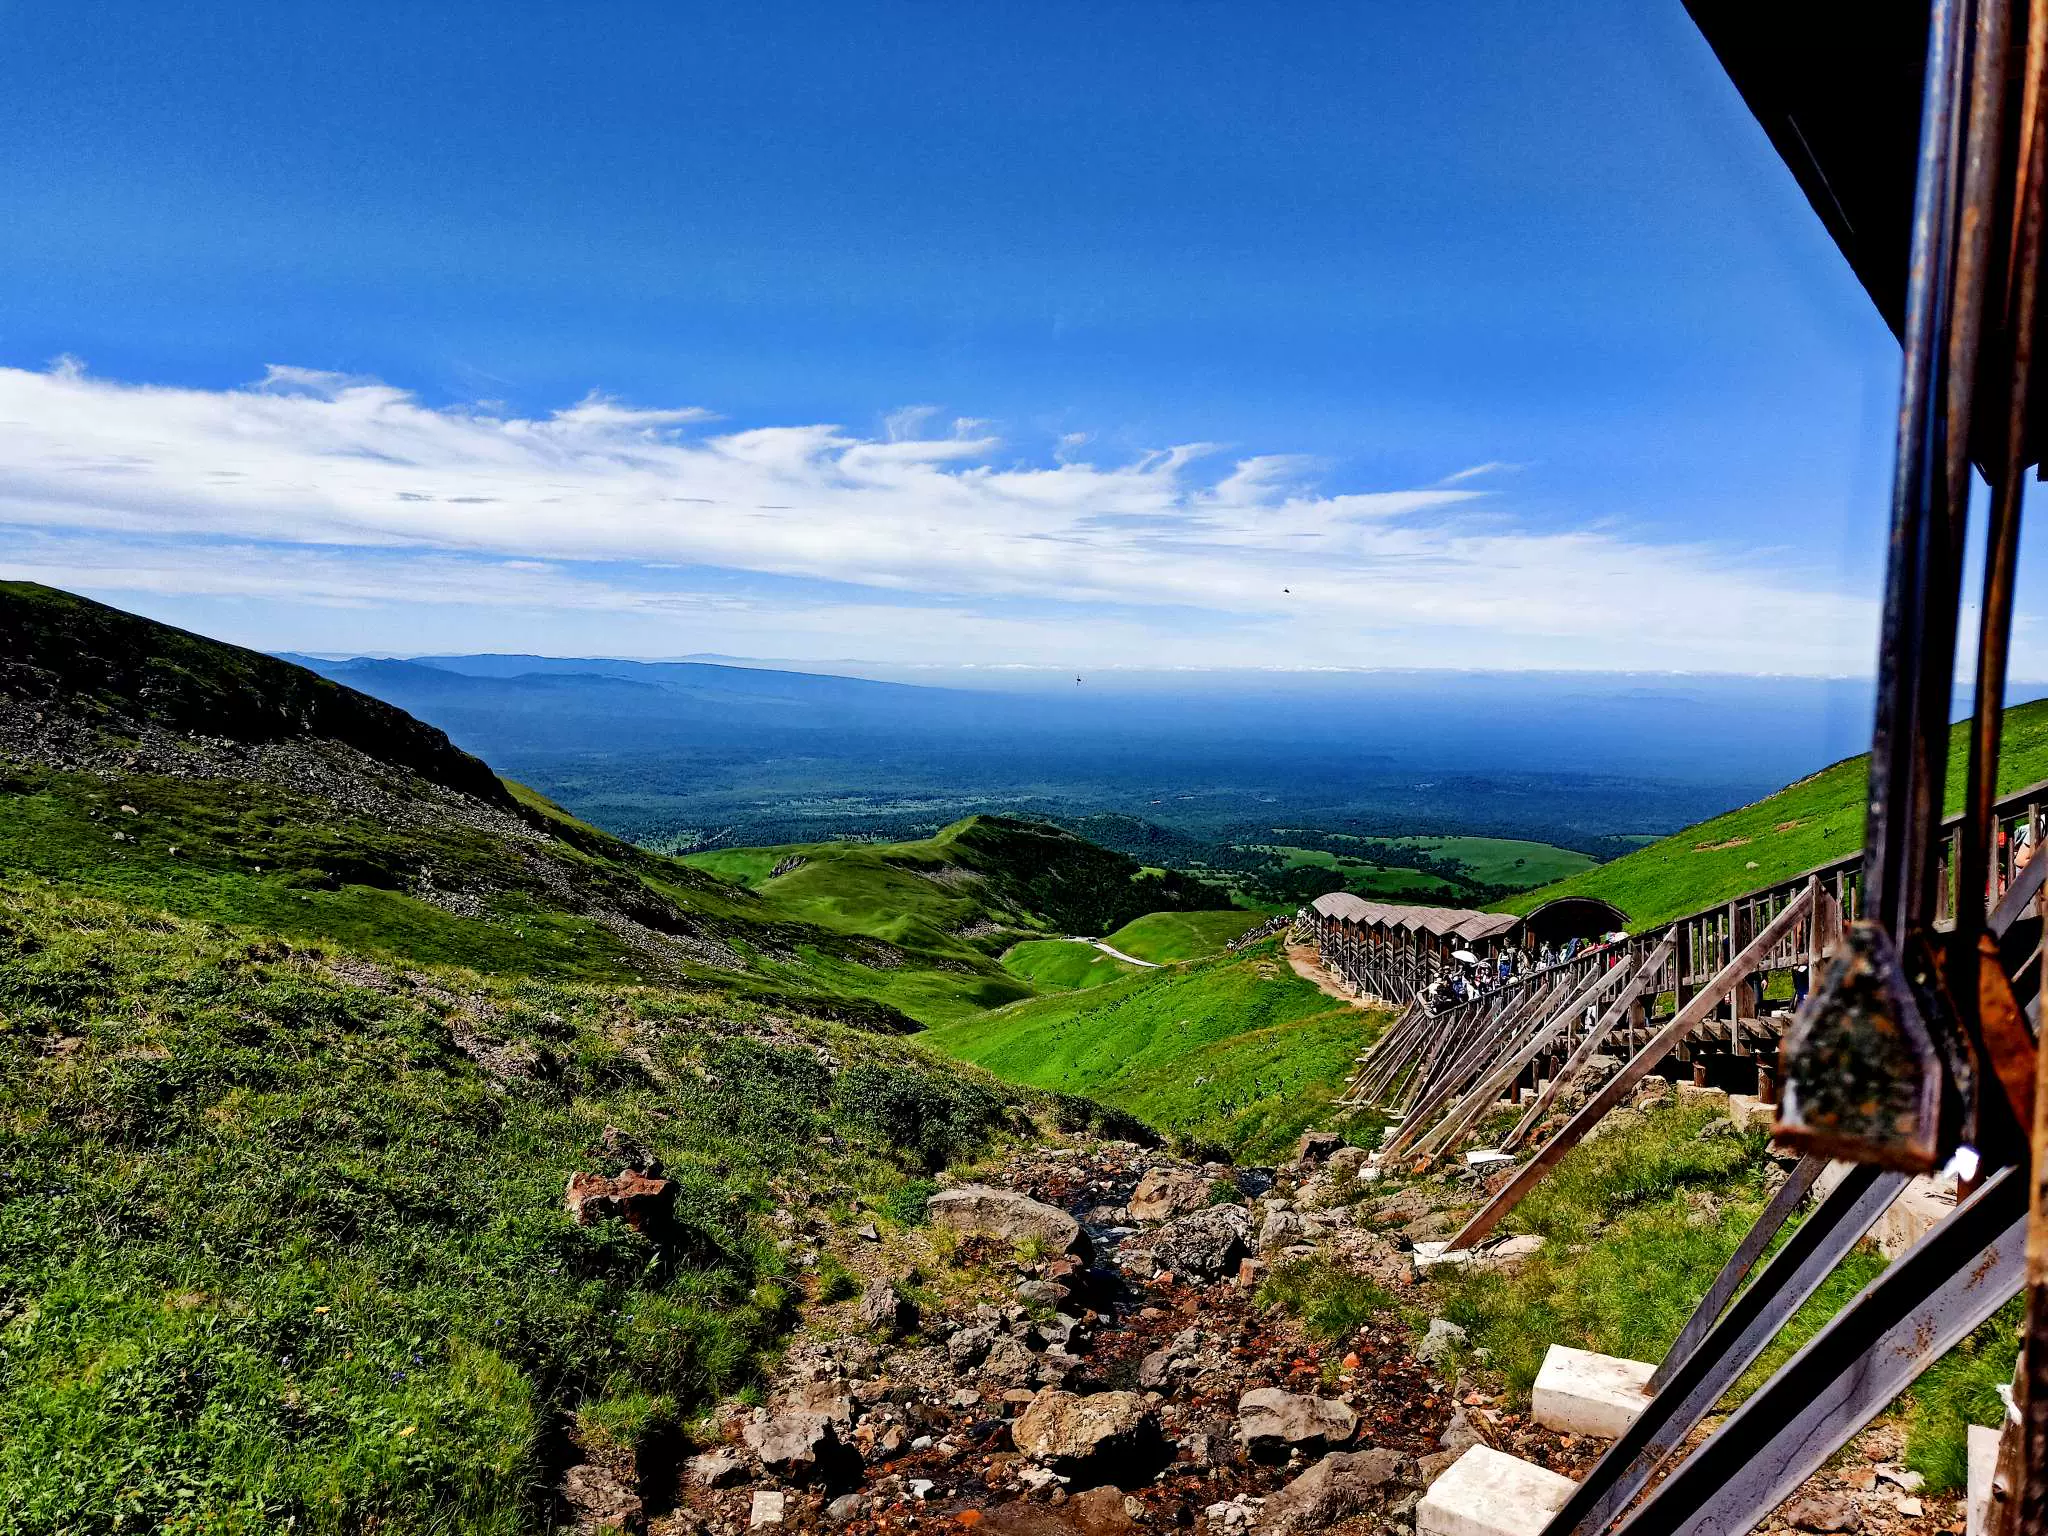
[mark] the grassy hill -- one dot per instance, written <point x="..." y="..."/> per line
<point x="145" y="764"/>
<point x="1812" y="822"/>
<point x="299" y="1046"/>
<point x="1238" y="1052"/>
<point x="1164" y="937"/>
<point x="1063" y="965"/>
<point x="948" y="905"/>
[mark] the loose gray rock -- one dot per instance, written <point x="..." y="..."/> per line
<point x="1824" y="1512"/>
<point x="1010" y="1362"/>
<point x="1442" y="1341"/>
<point x="1271" y="1422"/>
<point x="1459" y="1436"/>
<point x="1345" y="1163"/>
<point x="1155" y="1371"/>
<point x="717" y="1469"/>
<point x="1280" y="1230"/>
<point x="970" y="1345"/>
<point x="845" y="1508"/>
<point x="793" y="1444"/>
<point x="978" y="1210"/>
<point x="1204" y="1246"/>
<point x="1341" y="1486"/>
<point x="886" y="1310"/>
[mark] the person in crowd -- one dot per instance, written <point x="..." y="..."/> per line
<point x="1802" y="979"/>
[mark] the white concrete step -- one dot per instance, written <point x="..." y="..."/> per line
<point x="1490" y="1493"/>
<point x="1581" y="1393"/>
<point x="1983" y="1453"/>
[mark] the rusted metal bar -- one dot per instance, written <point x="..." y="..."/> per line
<point x="1947" y="1284"/>
<point x="1700" y="1378"/>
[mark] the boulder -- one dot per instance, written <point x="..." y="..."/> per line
<point x="1271" y="1422"/>
<point x="1316" y="1146"/>
<point x="1168" y="1192"/>
<point x="717" y="1469"/>
<point x="797" y="1443"/>
<point x="886" y="1310"/>
<point x="1108" y="1433"/>
<point x="1204" y="1246"/>
<point x="846" y="1508"/>
<point x="980" y="1210"/>
<point x="646" y="1204"/>
<point x="1341" y="1486"/>
<point x="1280" y="1230"/>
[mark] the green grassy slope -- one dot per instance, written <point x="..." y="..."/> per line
<point x="299" y="1047"/>
<point x="947" y="905"/>
<point x="1240" y="1052"/>
<point x="1063" y="965"/>
<point x="1812" y="822"/>
<point x="282" y="1230"/>
<point x="1164" y="937"/>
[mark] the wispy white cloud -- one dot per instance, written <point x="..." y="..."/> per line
<point x="320" y="480"/>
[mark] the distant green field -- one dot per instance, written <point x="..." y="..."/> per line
<point x="1063" y="965"/>
<point x="1164" y="937"/>
<point x="1813" y="822"/>
<point x="1240" y="1051"/>
<point x="1504" y="860"/>
<point x="1366" y="878"/>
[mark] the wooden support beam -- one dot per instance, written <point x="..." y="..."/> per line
<point x="1645" y="976"/>
<point x="1660" y="1045"/>
<point x="1460" y="1117"/>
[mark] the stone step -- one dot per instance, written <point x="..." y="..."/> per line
<point x="1581" y="1393"/>
<point x="1490" y="1493"/>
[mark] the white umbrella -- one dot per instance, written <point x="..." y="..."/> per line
<point x="1465" y="956"/>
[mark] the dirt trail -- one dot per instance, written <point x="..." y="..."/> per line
<point x="1308" y="965"/>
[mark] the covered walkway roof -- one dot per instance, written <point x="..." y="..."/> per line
<point x="1343" y="907"/>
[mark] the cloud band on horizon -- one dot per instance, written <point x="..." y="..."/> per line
<point x="347" y="492"/>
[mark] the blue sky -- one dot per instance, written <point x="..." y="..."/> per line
<point x="1120" y="334"/>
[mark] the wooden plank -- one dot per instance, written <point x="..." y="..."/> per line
<point x="1638" y="1067"/>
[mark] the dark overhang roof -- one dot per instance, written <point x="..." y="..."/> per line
<point x="1837" y="86"/>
